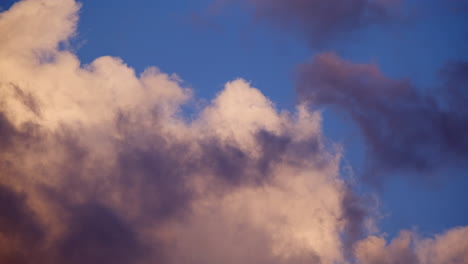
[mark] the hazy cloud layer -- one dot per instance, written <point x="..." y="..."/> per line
<point x="404" y="128"/>
<point x="98" y="165"/>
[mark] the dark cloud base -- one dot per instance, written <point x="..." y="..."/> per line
<point x="156" y="173"/>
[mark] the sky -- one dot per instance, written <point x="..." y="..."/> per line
<point x="234" y="131"/>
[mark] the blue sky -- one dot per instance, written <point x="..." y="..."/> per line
<point x="207" y="48"/>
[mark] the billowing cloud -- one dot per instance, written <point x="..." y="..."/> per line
<point x="404" y="128"/>
<point x="449" y="247"/>
<point x="320" y="21"/>
<point x="99" y="165"/>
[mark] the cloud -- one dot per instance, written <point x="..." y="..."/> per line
<point x="18" y="228"/>
<point x="99" y="165"/>
<point x="404" y="128"/>
<point x="107" y="169"/>
<point x="320" y="21"/>
<point x="449" y="247"/>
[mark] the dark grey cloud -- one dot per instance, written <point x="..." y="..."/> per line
<point x="20" y="231"/>
<point x="355" y="213"/>
<point x="97" y="235"/>
<point x="404" y="129"/>
<point x="26" y="99"/>
<point x="320" y="21"/>
<point x="7" y="131"/>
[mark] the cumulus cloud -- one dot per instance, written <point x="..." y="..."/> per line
<point x="99" y="165"/>
<point x="407" y="247"/>
<point x="404" y="128"/>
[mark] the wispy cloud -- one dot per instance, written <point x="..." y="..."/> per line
<point x="321" y="21"/>
<point x="404" y="128"/>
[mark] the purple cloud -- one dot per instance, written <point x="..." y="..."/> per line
<point x="404" y="129"/>
<point x="320" y="21"/>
